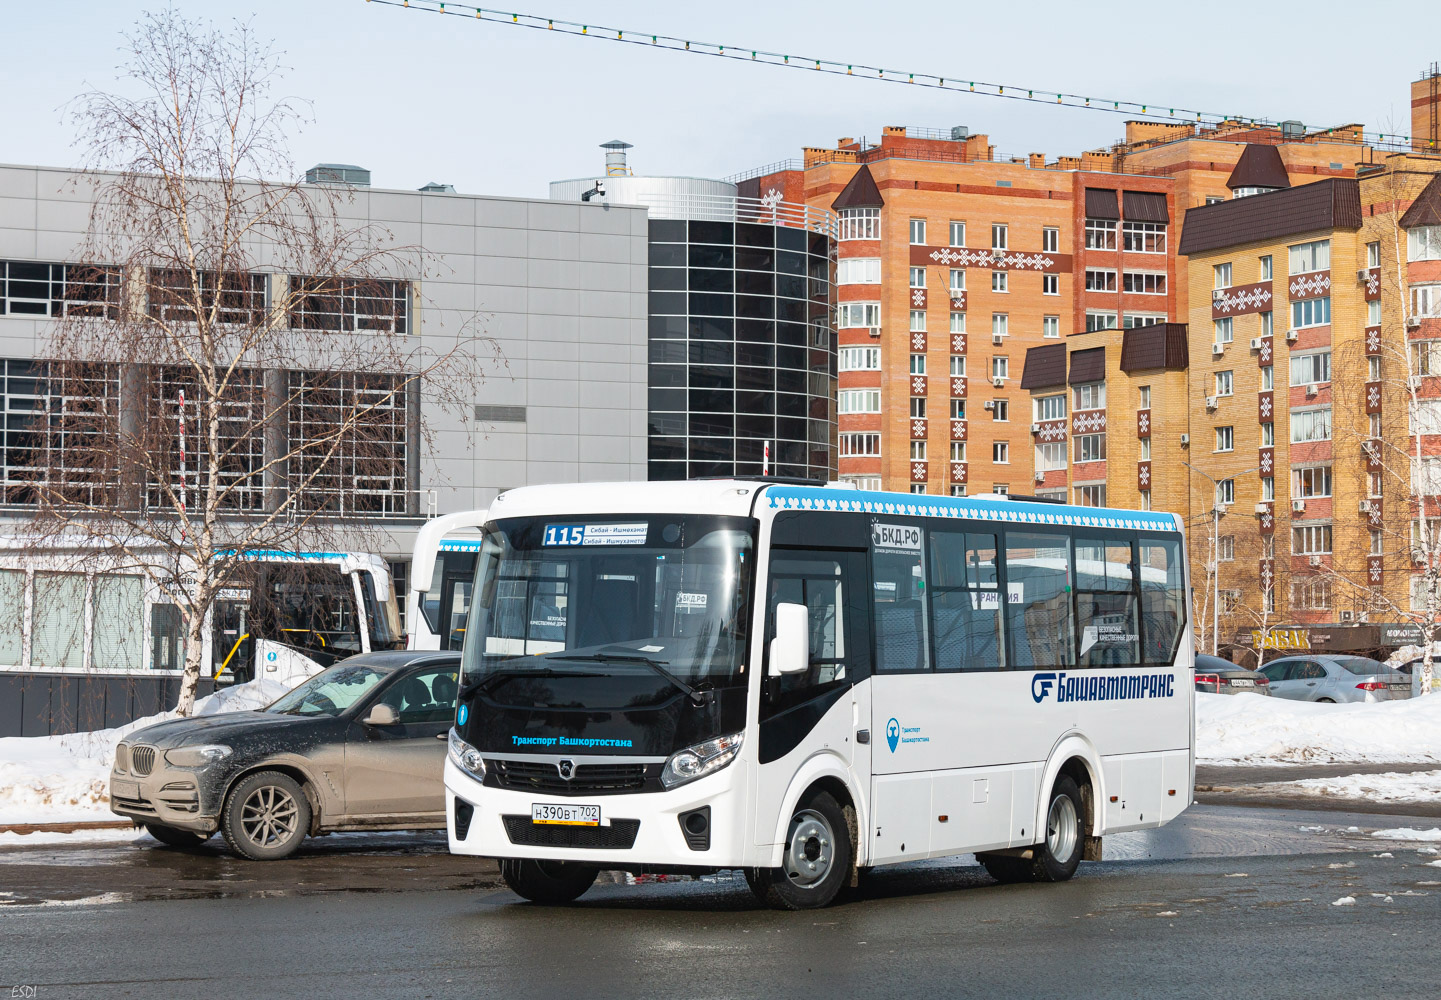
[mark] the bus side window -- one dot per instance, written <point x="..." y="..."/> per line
<point x="816" y="580"/>
<point x="1106" y="603"/>
<point x="899" y="610"/>
<point x="1038" y="599"/>
<point x="965" y="602"/>
<point x="1163" y="600"/>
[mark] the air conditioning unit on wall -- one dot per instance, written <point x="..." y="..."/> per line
<point x="1298" y="506"/>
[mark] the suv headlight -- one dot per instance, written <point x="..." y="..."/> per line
<point x="465" y="756"/>
<point x="201" y="756"/>
<point x="697" y="761"/>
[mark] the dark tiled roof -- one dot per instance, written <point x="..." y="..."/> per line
<point x="1426" y="209"/>
<point x="1045" y="367"/>
<point x="1101" y="204"/>
<point x="861" y="192"/>
<point x="1088" y="365"/>
<point x="1259" y="166"/>
<point x="1334" y="203"/>
<point x="1145" y="206"/>
<point x="1161" y="345"/>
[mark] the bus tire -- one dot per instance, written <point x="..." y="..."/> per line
<point x="1057" y="857"/>
<point x="1006" y="869"/>
<point x="816" y="861"/>
<point x="548" y="882"/>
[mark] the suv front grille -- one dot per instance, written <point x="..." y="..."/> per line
<point x="620" y="834"/>
<point x="142" y="760"/>
<point x="588" y="779"/>
<point x="122" y="757"/>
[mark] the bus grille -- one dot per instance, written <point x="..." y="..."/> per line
<point x="621" y="833"/>
<point x="589" y="779"/>
<point x="142" y="760"/>
<point x="122" y="757"/>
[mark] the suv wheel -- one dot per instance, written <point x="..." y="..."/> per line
<point x="266" y="816"/>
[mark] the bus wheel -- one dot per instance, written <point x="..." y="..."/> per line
<point x="1058" y="855"/>
<point x="548" y="882"/>
<point x="1006" y="869"/>
<point x="817" y="859"/>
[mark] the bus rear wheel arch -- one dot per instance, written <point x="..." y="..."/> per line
<point x="818" y="857"/>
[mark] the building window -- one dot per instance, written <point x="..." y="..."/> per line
<point x="1225" y="382"/>
<point x="1266" y="325"/>
<point x="918" y="277"/>
<point x="855" y="315"/>
<point x="1225" y="492"/>
<point x="28" y="288"/>
<point x="918" y="407"/>
<point x="1001" y="489"/>
<point x="1050" y="407"/>
<point x="1226" y="548"/>
<point x="958" y="409"/>
<point x="958" y="280"/>
<point x="958" y="489"/>
<point x="1100" y="280"/>
<point x="1145" y="499"/>
<point x="1100" y="321"/>
<point x="859" y="400"/>
<point x="1050" y="239"/>
<point x="1144" y="237"/>
<point x="1314" y="481"/>
<point x="858" y="271"/>
<point x="1226" y="438"/>
<point x="958" y="322"/>
<point x="1425" y="300"/>
<point x="1268" y="434"/>
<point x="918" y="487"/>
<point x="345" y="304"/>
<point x="860" y="359"/>
<point x="1311" y="593"/>
<point x="1221" y="273"/>
<point x="1145" y="455"/>
<point x="1000" y="324"/>
<point x="1426" y="356"/>
<point x="1373" y="368"/>
<point x="366" y="470"/>
<point x="918" y="451"/>
<point x="958" y="234"/>
<point x="1090" y="447"/>
<point x="1144" y="283"/>
<point x="1374" y="423"/>
<point x="918" y="320"/>
<point x="1223" y="330"/>
<point x="1001" y="412"/>
<point x="1266" y="267"/>
<point x="999" y="281"/>
<point x="1313" y="256"/>
<point x="918" y="232"/>
<point x="1311" y="425"/>
<point x="958" y="364"/>
<point x="1050" y="456"/>
<point x="1144" y="394"/>
<point x="1100" y="234"/>
<point x="1268" y="378"/>
<point x="1422" y="243"/>
<point x="1000" y="453"/>
<point x="1214" y="199"/>
<point x="1050" y="284"/>
<point x="1376" y="543"/>
<point x="918" y="364"/>
<point x="1089" y="396"/>
<point x="1141" y="319"/>
<point x="999" y="236"/>
<point x="860" y="445"/>
<point x="1000" y="366"/>
<point x="871" y="483"/>
<point x="1091" y="496"/>
<point x="958" y="451"/>
<point x="1050" y="326"/>
<point x="1311" y="312"/>
<point x="860" y="223"/>
<point x="1311" y="540"/>
<point x="1373" y="312"/>
<point x="1373" y="484"/>
<point x="1268" y="488"/>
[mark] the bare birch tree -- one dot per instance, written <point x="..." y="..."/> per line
<point x="235" y="365"/>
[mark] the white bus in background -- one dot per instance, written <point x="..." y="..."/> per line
<point x="804" y="681"/>
<point x="442" y="571"/>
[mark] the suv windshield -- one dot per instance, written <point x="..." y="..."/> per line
<point x="330" y="692"/>
<point x="665" y="595"/>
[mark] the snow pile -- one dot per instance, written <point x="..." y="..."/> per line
<point x="1241" y="729"/>
<point x="1393" y="786"/>
<point x="1409" y="833"/>
<point x="66" y="779"/>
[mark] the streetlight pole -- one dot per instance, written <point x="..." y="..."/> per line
<point x="1216" y="549"/>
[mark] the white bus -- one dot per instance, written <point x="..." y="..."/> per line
<point x="442" y="571"/>
<point x="804" y="682"/>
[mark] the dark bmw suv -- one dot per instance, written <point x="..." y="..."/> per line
<point x="359" y="746"/>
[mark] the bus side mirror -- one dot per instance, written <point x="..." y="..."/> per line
<point x="791" y="648"/>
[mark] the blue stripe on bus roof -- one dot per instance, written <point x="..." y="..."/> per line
<point x="1013" y="511"/>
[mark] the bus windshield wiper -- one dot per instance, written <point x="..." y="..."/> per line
<point x="480" y="684"/>
<point x="696" y="697"/>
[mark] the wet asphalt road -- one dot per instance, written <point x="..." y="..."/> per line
<point x="1225" y="901"/>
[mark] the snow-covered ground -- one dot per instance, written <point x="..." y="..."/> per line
<point x="1409" y="833"/>
<point x="1248" y="729"/>
<point x="65" y="779"/>
<point x="1393" y="786"/>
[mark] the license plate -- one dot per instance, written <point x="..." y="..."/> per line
<point x="1242" y="682"/>
<point x="554" y="814"/>
<point x="1400" y="687"/>
<point x="124" y="790"/>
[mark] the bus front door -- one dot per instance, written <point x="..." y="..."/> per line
<point x="232" y="649"/>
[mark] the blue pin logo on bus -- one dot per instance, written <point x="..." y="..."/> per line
<point x="462" y="715"/>
<point x="893" y="734"/>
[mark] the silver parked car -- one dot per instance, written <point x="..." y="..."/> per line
<point x="1219" y="676"/>
<point x="1337" y="678"/>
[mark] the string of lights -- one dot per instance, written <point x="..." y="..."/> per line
<point x="1151" y="110"/>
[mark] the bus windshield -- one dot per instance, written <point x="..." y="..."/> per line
<point x="663" y="594"/>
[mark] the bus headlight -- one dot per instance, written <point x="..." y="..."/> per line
<point x="699" y="760"/>
<point x="466" y="757"/>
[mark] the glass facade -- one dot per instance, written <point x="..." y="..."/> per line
<point x="742" y="349"/>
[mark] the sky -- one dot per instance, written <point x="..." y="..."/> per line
<point x="502" y="110"/>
